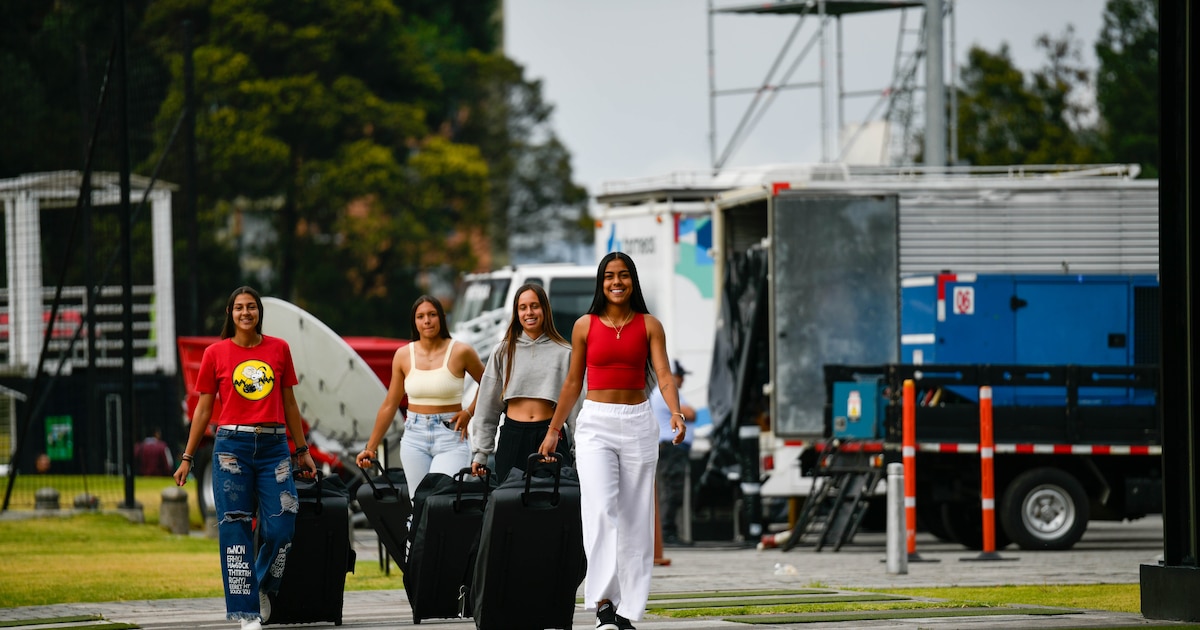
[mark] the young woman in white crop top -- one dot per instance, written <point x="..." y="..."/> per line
<point x="431" y="372"/>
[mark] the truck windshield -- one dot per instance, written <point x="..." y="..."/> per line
<point x="478" y="297"/>
<point x="569" y="299"/>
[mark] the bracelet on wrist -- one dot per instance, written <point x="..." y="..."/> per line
<point x="680" y="414"/>
<point x="187" y="457"/>
<point x="300" y="450"/>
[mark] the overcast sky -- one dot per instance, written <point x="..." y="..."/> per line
<point x="628" y="78"/>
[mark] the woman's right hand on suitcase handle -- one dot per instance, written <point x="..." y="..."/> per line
<point x="478" y="470"/>
<point x="549" y="445"/>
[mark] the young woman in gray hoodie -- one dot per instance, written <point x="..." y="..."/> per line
<point x="522" y="379"/>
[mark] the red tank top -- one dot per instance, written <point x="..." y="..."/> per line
<point x="614" y="363"/>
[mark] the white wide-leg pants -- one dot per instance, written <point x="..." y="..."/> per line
<point x="616" y="453"/>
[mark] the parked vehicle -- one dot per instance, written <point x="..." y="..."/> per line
<point x="811" y="272"/>
<point x="668" y="233"/>
<point x="483" y="305"/>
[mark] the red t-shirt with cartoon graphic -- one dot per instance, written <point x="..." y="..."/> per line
<point x="247" y="380"/>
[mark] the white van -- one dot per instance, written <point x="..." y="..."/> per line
<point x="484" y="303"/>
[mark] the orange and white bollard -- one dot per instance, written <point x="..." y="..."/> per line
<point x="987" y="476"/>
<point x="908" y="452"/>
<point x="987" y="469"/>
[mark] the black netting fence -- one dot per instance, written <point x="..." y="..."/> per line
<point x="87" y="302"/>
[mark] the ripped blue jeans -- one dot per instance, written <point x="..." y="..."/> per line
<point x="252" y="476"/>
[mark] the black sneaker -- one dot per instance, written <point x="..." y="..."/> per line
<point x="606" y="617"/>
<point x="624" y="624"/>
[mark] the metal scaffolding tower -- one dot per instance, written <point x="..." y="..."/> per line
<point x="894" y="106"/>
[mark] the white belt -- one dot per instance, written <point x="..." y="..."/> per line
<point x="253" y="428"/>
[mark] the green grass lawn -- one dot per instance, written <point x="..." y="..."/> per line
<point x="1112" y="597"/>
<point x="104" y="557"/>
<point x="111" y="489"/>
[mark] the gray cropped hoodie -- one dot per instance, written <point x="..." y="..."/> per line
<point x="539" y="368"/>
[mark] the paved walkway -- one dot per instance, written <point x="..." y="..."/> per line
<point x="1110" y="553"/>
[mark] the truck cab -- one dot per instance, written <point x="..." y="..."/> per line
<point x="483" y="305"/>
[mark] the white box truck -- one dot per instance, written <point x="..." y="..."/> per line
<point x="670" y="240"/>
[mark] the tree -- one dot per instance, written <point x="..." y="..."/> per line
<point x="331" y="114"/>
<point x="1127" y="91"/>
<point x="348" y="152"/>
<point x="383" y="138"/>
<point x="539" y="213"/>
<point x="1004" y="119"/>
<point x="997" y="114"/>
<point x="1067" y="137"/>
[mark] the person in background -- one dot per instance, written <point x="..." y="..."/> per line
<point x="152" y="456"/>
<point x="621" y="350"/>
<point x="522" y="379"/>
<point x="431" y="372"/>
<point x="673" y="459"/>
<point x="252" y="468"/>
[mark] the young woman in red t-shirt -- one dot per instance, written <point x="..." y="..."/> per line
<point x="252" y="471"/>
<point x="622" y="349"/>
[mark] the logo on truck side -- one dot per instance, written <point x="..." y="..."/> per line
<point x="631" y="246"/>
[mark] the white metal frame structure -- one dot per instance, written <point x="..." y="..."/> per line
<point x="24" y="299"/>
<point x="894" y="102"/>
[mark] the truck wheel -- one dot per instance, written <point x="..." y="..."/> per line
<point x="1045" y="508"/>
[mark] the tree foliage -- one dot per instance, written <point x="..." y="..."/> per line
<point x="380" y="135"/>
<point x="1047" y="118"/>
<point x="1006" y="119"/>
<point x="1127" y="90"/>
<point x="349" y="152"/>
<point x="329" y="110"/>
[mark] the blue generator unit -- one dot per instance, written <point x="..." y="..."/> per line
<point x="1050" y="320"/>
<point x="949" y="320"/>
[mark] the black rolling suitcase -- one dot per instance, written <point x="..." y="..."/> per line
<point x="384" y="500"/>
<point x="531" y="560"/>
<point x="447" y="514"/>
<point x="314" y="579"/>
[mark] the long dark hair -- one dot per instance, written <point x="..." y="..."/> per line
<point x="228" y="329"/>
<point x="515" y="329"/>
<point x="443" y="329"/>
<point x="637" y="301"/>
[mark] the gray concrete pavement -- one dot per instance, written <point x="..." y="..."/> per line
<point x="1109" y="553"/>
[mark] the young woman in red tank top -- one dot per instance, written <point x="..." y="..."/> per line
<point x="622" y="349"/>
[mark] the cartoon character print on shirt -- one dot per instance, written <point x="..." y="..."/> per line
<point x="253" y="379"/>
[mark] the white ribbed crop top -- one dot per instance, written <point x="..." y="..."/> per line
<point x="438" y="387"/>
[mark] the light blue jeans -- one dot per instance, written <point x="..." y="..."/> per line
<point x="252" y="476"/>
<point x="429" y="446"/>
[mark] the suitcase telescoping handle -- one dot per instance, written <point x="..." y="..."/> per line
<point x="301" y="476"/>
<point x="534" y="462"/>
<point x="460" y="480"/>
<point x="376" y="490"/>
